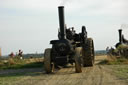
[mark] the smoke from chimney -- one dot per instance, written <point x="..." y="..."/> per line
<point x="63" y="2"/>
<point x="124" y="26"/>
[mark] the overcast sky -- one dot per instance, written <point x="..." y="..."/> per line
<point x="31" y="24"/>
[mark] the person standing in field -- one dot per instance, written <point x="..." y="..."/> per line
<point x="11" y="55"/>
<point x="20" y="54"/>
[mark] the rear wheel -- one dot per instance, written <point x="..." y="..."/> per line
<point x="78" y="60"/>
<point x="48" y="65"/>
<point x="88" y="53"/>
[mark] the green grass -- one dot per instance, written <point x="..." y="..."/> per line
<point x="120" y="61"/>
<point x="11" y="79"/>
<point x="15" y="64"/>
<point x="8" y="80"/>
<point x="121" y="71"/>
<point x="118" y="66"/>
<point x="20" y="64"/>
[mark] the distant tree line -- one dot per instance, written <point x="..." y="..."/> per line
<point x="100" y="52"/>
<point x="32" y="55"/>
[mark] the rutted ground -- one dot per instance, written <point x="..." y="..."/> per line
<point x="97" y="75"/>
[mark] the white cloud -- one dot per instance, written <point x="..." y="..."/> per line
<point x="34" y="18"/>
<point x="29" y="4"/>
<point x="97" y="7"/>
<point x="100" y="7"/>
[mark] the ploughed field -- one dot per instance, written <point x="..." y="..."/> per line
<point x="97" y="75"/>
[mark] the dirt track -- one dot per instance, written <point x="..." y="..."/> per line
<point x="97" y="75"/>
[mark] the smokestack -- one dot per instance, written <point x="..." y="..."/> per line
<point x="62" y="22"/>
<point x="120" y="36"/>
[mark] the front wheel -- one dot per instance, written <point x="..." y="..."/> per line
<point x="88" y="53"/>
<point x="78" y="60"/>
<point x="48" y="65"/>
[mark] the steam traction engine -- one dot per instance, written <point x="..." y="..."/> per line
<point x="122" y="40"/>
<point x="121" y="46"/>
<point x="69" y="48"/>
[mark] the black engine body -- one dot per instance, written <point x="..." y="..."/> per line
<point x="63" y="49"/>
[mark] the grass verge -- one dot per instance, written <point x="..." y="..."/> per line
<point x="119" y="61"/>
<point x="118" y="66"/>
<point x="121" y="71"/>
<point x="16" y="78"/>
<point x="20" y="64"/>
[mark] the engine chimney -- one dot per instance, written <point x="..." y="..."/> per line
<point x="120" y="36"/>
<point x="62" y="22"/>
